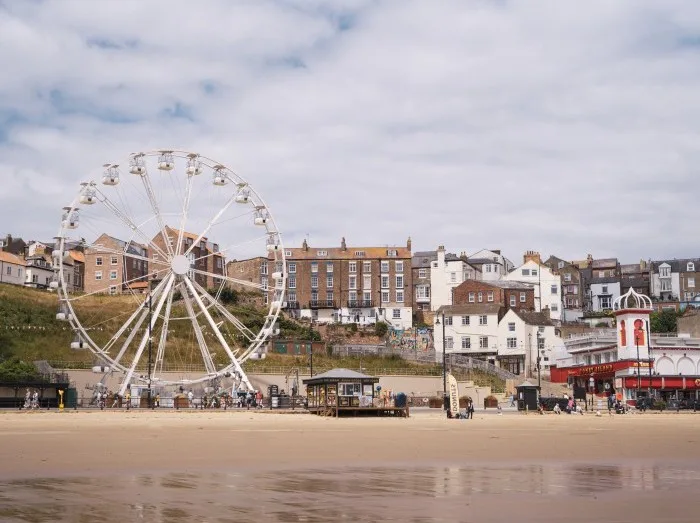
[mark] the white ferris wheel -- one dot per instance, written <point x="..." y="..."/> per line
<point x="155" y="238"/>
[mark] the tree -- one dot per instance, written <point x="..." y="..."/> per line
<point x="664" y="321"/>
<point x="14" y="369"/>
<point x="381" y="329"/>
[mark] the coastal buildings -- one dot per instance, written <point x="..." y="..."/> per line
<point x="491" y="263"/>
<point x="545" y="282"/>
<point x="602" y="284"/>
<point x="12" y="268"/>
<point x="113" y="266"/>
<point x="349" y="284"/>
<point x="447" y="272"/>
<point x="571" y="287"/>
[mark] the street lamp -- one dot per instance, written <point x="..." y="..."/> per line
<point x="311" y="348"/>
<point x="150" y="346"/>
<point x="539" y="358"/>
<point x="444" y="362"/>
<point x="591" y="385"/>
<point x="639" y="377"/>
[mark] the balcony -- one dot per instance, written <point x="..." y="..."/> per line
<point x="292" y="305"/>
<point x="322" y="304"/>
<point x="360" y="304"/>
<point x="422" y="299"/>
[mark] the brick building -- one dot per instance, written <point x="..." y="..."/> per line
<point x="108" y="271"/>
<point x="510" y="294"/>
<point x="350" y="284"/>
<point x="571" y="288"/>
<point x="253" y="270"/>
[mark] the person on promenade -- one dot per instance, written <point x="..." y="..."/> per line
<point x="35" y="400"/>
<point x="512" y="399"/>
<point x="190" y="398"/>
<point x="470" y="409"/>
<point x="556" y="409"/>
<point x="128" y="399"/>
<point x="157" y="404"/>
<point x="28" y="400"/>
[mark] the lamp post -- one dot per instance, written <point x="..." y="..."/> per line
<point x="311" y="348"/>
<point x="591" y="385"/>
<point x="539" y="358"/>
<point x="639" y="377"/>
<point x="444" y="361"/>
<point x="150" y="346"/>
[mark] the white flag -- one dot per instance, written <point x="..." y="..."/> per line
<point x="454" y="394"/>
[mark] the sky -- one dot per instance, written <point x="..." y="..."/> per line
<point x="557" y="126"/>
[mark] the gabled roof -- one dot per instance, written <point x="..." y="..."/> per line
<point x="339" y="375"/>
<point x="676" y="265"/>
<point x="604" y="263"/>
<point x="8" y="257"/>
<point x="534" y="318"/>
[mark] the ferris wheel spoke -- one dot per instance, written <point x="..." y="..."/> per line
<point x="206" y="355"/>
<point x="185" y="212"/>
<point x="222" y="251"/>
<point x="164" y="331"/>
<point x="106" y="289"/>
<point x="131" y="225"/>
<point x="146" y="179"/>
<point x="210" y="225"/>
<point x="217" y="332"/>
<point x="245" y="283"/>
<point x="145" y="339"/>
<point x="245" y="331"/>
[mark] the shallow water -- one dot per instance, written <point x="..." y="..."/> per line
<point x="636" y="492"/>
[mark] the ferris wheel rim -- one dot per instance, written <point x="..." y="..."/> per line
<point x="275" y="302"/>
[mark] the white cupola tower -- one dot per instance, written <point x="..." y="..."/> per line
<point x="632" y="313"/>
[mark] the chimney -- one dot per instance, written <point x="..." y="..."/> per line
<point x="408" y="243"/>
<point x="343" y="245"/>
<point x="441" y="255"/>
<point x="305" y="245"/>
<point x="532" y="256"/>
<point x="589" y="258"/>
<point x="496" y="251"/>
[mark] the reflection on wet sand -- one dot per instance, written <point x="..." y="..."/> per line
<point x="420" y="494"/>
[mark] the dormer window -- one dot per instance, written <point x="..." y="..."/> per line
<point x="321" y="253"/>
<point x="691" y="267"/>
<point x="665" y="271"/>
<point x="392" y="253"/>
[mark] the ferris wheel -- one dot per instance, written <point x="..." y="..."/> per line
<point x="157" y="298"/>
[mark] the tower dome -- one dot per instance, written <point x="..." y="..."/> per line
<point x="632" y="300"/>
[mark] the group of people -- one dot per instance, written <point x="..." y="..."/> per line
<point x="31" y="400"/>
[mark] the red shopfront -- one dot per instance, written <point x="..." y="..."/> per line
<point x="666" y="387"/>
<point x="603" y="375"/>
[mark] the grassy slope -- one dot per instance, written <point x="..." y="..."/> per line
<point x="29" y="330"/>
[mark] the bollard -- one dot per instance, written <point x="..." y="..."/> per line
<point x="60" y="400"/>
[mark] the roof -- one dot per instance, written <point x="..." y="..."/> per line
<point x="7" y="257"/>
<point x="340" y="374"/>
<point x="77" y="256"/>
<point x="470" y="308"/>
<point x="534" y="318"/>
<point x="422" y="259"/>
<point x="482" y="261"/>
<point x="604" y="263"/>
<point x="632" y="268"/>
<point x="509" y="284"/>
<point x="676" y="265"/>
<point x="138" y="285"/>
<point x="338" y="253"/>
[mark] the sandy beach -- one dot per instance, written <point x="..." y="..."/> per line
<point x="258" y="466"/>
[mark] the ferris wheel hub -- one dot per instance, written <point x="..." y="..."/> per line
<point x="180" y="265"/>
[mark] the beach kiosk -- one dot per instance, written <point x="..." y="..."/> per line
<point x="528" y="396"/>
<point x="347" y="392"/>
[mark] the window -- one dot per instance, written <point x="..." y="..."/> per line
<point x="471" y="297"/>
<point x="396" y="314"/>
<point x="321" y="253"/>
<point x="349" y="389"/>
<point x="112" y="275"/>
<point x="367" y="267"/>
<point x="292" y="268"/>
<point x="483" y="342"/>
<point x="480" y="296"/>
<point x="399" y="282"/>
<point x="448" y="321"/>
<point x="567" y="277"/>
<point x="605" y="289"/>
<point x="367" y="297"/>
<point x="360" y="254"/>
<point x="555" y="307"/>
<point x="449" y="342"/>
<point x="292" y="282"/>
<point x="385" y="282"/>
<point x="422" y="292"/>
<point x="352" y="281"/>
<point x="385" y="296"/>
<point x="534" y="272"/>
<point x="512" y="300"/>
<point x="366" y="281"/>
<point x="605" y="302"/>
<point x="399" y="296"/>
<point x="98" y="275"/>
<point x="398" y="266"/>
<point x="287" y="253"/>
<point x="601" y="274"/>
<point x="384" y="266"/>
<point x="422" y="273"/>
<point x="483" y="320"/>
<point x="292" y="296"/>
<point x="465" y="320"/>
<point x="523" y="297"/>
<point x="219" y="263"/>
<point x="489" y="296"/>
<point x="597" y="359"/>
<point x="453" y="277"/>
<point x="488" y="268"/>
<point x="9" y="270"/>
<point x="554" y="289"/>
<point x="665" y="272"/>
<point x="314" y="282"/>
<point x="263" y="268"/>
<point x="690" y="267"/>
<point x="393" y="253"/>
<point x="35" y="277"/>
<point x="98" y="261"/>
<point x="329" y="281"/>
<point x="691" y="283"/>
<point x="329" y="267"/>
<point x="560" y="265"/>
<point x="665" y="285"/>
<point x="512" y="343"/>
<point x="526" y="272"/>
<point x="113" y="289"/>
<point x="314" y="266"/>
<point x="511" y="327"/>
<point x="263" y="282"/>
<point x="466" y="342"/>
<point x="352" y="296"/>
<point x="352" y="267"/>
<point x="540" y="343"/>
<point x="314" y="296"/>
<point x="329" y="296"/>
<point x="114" y="260"/>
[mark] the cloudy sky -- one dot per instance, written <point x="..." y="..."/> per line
<point x="564" y="127"/>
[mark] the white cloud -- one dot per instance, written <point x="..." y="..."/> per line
<point x="561" y="127"/>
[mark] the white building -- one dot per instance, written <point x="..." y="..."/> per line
<point x="469" y="330"/>
<point x="547" y="285"/>
<point x="522" y="336"/>
<point x="39" y="271"/>
<point x="492" y="264"/>
<point x="446" y="273"/>
<point x="11" y="269"/>
<point x="603" y="293"/>
<point x="665" y="280"/>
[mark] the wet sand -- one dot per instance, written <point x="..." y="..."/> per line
<point x="252" y="466"/>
